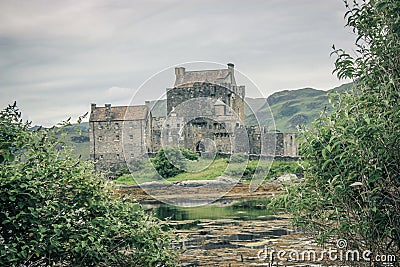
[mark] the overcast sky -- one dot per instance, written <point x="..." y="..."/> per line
<point x="57" y="57"/>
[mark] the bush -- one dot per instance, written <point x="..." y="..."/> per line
<point x="171" y="161"/>
<point x="56" y="211"/>
<point x="351" y="187"/>
<point x="190" y="155"/>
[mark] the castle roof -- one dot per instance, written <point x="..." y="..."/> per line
<point x="119" y="113"/>
<point x="219" y="76"/>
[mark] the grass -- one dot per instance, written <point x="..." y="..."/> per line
<point x="219" y="167"/>
<point x="126" y="179"/>
<point x="215" y="169"/>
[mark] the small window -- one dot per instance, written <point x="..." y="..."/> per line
<point x="178" y="125"/>
<point x="101" y="157"/>
<point x="100" y="127"/>
<point x="116" y="126"/>
<point x="131" y="137"/>
<point x="116" y="138"/>
<point x="132" y="156"/>
<point x="117" y="156"/>
<point x="237" y="124"/>
<point x="100" y="138"/>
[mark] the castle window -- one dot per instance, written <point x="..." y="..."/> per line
<point x="178" y="125"/>
<point x="116" y="126"/>
<point x="116" y="138"/>
<point x="132" y="156"/>
<point x="100" y="138"/>
<point x="131" y="137"/>
<point x="99" y="126"/>
<point x="237" y="124"/>
<point x="117" y="156"/>
<point x="101" y="157"/>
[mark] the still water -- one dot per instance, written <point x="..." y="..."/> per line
<point x="251" y="209"/>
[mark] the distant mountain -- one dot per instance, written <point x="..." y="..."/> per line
<point x="291" y="108"/>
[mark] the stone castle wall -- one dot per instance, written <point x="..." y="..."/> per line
<point x="201" y="116"/>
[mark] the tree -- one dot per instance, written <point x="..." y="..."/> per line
<point x="352" y="178"/>
<point x="171" y="161"/>
<point x="56" y="211"/>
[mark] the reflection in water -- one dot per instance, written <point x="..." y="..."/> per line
<point x="244" y="210"/>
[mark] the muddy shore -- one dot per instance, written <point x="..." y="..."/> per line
<point x="227" y="242"/>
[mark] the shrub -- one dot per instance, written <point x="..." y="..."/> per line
<point x="171" y="161"/>
<point x="190" y="155"/>
<point x="56" y="211"/>
<point x="351" y="187"/>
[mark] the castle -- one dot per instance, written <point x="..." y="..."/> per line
<point x="205" y="113"/>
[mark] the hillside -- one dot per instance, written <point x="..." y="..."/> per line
<point x="291" y="108"/>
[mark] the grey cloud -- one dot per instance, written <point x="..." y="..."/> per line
<point x="58" y="56"/>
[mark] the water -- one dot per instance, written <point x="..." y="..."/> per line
<point x="225" y="233"/>
<point x="244" y="210"/>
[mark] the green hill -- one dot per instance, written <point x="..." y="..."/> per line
<point x="291" y="108"/>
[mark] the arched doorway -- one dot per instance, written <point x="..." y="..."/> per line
<point x="200" y="147"/>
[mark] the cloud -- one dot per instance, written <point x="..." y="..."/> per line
<point x="56" y="57"/>
<point x="118" y="94"/>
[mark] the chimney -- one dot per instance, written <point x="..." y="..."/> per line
<point x="108" y="111"/>
<point x="231" y="69"/>
<point x="179" y="72"/>
<point x="147" y="103"/>
<point x="92" y="107"/>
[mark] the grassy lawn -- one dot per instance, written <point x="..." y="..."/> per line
<point x="215" y="169"/>
<point x="206" y="171"/>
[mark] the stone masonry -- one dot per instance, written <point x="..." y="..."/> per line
<point x="205" y="113"/>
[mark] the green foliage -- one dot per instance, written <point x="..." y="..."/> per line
<point x="171" y="161"/>
<point x="279" y="168"/>
<point x="56" y="211"/>
<point x="207" y="170"/>
<point x="276" y="169"/>
<point x="352" y="183"/>
<point x="190" y="155"/>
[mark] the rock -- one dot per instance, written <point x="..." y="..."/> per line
<point x="227" y="180"/>
<point x="287" y="178"/>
